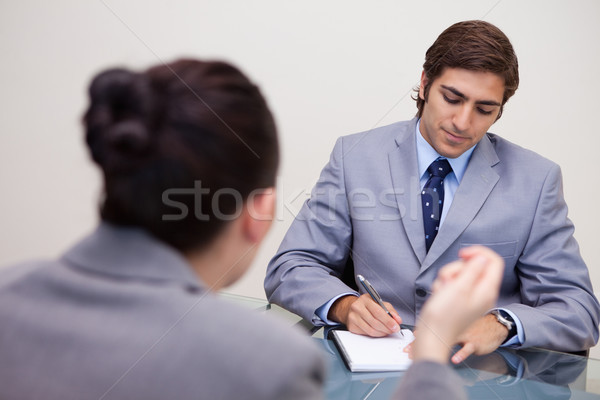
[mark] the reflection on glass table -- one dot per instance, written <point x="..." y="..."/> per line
<point x="503" y="374"/>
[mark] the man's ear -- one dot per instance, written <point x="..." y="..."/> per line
<point x="422" y="86"/>
<point x="258" y="214"/>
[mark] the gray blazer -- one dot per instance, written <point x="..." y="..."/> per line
<point x="428" y="380"/>
<point x="367" y="204"/>
<point x="122" y="316"/>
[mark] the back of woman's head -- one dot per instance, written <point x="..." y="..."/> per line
<point x="181" y="146"/>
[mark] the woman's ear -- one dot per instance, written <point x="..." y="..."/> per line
<point x="258" y="214"/>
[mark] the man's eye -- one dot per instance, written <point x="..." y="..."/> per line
<point x="449" y="100"/>
<point x="484" y="112"/>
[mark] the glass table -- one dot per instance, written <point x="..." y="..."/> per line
<point x="504" y="374"/>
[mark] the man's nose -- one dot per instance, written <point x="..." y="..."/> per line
<point x="462" y="118"/>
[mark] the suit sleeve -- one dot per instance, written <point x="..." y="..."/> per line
<point x="428" y="380"/>
<point x="559" y="309"/>
<point x="304" y="273"/>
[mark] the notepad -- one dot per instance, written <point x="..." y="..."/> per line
<point x="364" y="354"/>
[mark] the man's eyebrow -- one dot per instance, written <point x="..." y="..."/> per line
<point x="462" y="96"/>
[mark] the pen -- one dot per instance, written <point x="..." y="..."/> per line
<point x="373" y="293"/>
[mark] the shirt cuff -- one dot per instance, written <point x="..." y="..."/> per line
<point x="322" y="312"/>
<point x="519" y="338"/>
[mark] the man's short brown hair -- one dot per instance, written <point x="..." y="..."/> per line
<point x="475" y="46"/>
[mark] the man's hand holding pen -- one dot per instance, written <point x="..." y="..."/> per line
<point x="364" y="316"/>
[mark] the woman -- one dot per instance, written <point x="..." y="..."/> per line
<point x="189" y="154"/>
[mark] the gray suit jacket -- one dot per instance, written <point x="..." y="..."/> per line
<point x="427" y="380"/>
<point x="122" y="316"/>
<point x="367" y="204"/>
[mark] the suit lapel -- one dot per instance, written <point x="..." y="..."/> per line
<point x="405" y="181"/>
<point x="474" y="189"/>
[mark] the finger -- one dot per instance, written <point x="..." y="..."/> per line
<point x="468" y="252"/>
<point x="488" y="285"/>
<point x="358" y="324"/>
<point x="409" y="349"/>
<point x="381" y="319"/>
<point x="447" y="274"/>
<point x="355" y="322"/>
<point x="361" y="327"/>
<point x="365" y="315"/>
<point x="394" y="313"/>
<point x="495" y="267"/>
<point x="492" y="257"/>
<point x="472" y="272"/>
<point x="464" y="352"/>
<point x="450" y="271"/>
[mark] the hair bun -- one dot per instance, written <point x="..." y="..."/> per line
<point x="130" y="137"/>
<point x="116" y="86"/>
<point x="118" y="119"/>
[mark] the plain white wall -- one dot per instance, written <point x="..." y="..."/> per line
<point x="327" y="69"/>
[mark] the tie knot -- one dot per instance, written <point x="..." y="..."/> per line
<point x="440" y="167"/>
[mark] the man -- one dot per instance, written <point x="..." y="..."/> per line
<point x="400" y="201"/>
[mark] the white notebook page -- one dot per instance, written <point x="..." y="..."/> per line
<point x="363" y="353"/>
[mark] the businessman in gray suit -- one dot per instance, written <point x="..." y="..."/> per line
<point x="398" y="202"/>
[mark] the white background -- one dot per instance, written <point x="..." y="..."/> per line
<point x="327" y="69"/>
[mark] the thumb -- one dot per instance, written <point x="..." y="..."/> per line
<point x="464" y="352"/>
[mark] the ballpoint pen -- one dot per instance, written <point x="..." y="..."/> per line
<point x="374" y="295"/>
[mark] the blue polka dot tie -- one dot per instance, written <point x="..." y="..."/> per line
<point x="432" y="197"/>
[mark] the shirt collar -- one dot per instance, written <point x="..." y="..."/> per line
<point x="426" y="154"/>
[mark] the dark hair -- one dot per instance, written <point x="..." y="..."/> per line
<point x="172" y="127"/>
<point x="476" y="46"/>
